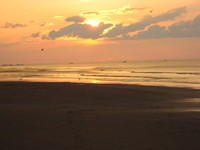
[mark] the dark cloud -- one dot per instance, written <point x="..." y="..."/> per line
<point x="154" y="31"/>
<point x="178" y="30"/>
<point x="122" y="30"/>
<point x="35" y="34"/>
<point x="186" y="29"/>
<point x="13" y="25"/>
<point x="75" y="19"/>
<point x="80" y="30"/>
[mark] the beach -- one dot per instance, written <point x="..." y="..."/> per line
<point x="79" y="116"/>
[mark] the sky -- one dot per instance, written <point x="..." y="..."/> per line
<point x="98" y="30"/>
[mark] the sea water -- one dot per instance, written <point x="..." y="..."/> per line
<point x="179" y="73"/>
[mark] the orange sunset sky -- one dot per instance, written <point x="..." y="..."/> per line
<point x="98" y="30"/>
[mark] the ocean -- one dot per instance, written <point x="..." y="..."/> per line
<point x="173" y="73"/>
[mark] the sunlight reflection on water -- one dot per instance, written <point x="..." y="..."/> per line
<point x="191" y="105"/>
<point x="185" y="73"/>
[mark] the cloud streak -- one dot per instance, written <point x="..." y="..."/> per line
<point x="91" y="13"/>
<point x="13" y="25"/>
<point x="110" y="12"/>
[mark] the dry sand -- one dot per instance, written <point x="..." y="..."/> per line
<point x="67" y="116"/>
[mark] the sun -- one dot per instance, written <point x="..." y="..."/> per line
<point x="94" y="23"/>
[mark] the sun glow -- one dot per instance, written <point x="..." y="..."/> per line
<point x="95" y="81"/>
<point x="94" y="23"/>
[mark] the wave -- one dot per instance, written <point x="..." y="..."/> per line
<point x="125" y="76"/>
<point x="181" y="73"/>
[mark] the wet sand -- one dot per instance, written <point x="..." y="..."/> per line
<point x="69" y="116"/>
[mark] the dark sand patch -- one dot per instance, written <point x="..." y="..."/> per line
<point x="67" y="116"/>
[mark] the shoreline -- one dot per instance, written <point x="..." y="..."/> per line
<point x="80" y="116"/>
<point x="100" y="83"/>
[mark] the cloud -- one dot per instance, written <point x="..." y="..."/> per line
<point x="154" y="31"/>
<point x="148" y="28"/>
<point x="110" y="12"/>
<point x="121" y="29"/>
<point x="13" y="25"/>
<point x="80" y="30"/>
<point x="184" y="29"/>
<point x="35" y="34"/>
<point x="75" y="19"/>
<point x="181" y="29"/>
<point x="47" y="24"/>
<point x="132" y="9"/>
